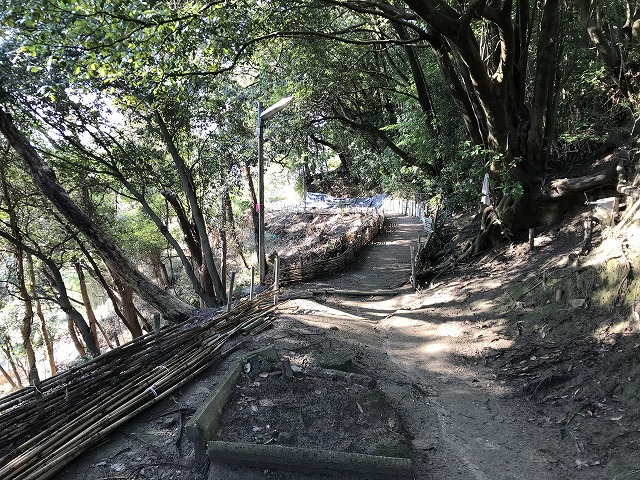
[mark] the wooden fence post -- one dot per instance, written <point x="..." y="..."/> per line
<point x="413" y="267"/>
<point x="253" y="274"/>
<point x="276" y="279"/>
<point x="156" y="322"/>
<point x="233" y="277"/>
<point x="532" y="237"/>
<point x="587" y="233"/>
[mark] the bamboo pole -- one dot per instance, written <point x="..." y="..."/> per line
<point x="356" y="293"/>
<point x="276" y="282"/>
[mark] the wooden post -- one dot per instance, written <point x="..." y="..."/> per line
<point x="414" y="283"/>
<point x="304" y="187"/>
<point x="276" y="279"/>
<point x="253" y="274"/>
<point x="156" y="322"/>
<point x="532" y="237"/>
<point x="231" y="280"/>
<point x="587" y="236"/>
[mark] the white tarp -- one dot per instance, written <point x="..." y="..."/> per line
<point x="323" y="200"/>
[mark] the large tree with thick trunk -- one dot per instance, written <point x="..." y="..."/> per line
<point x="44" y="177"/>
<point x="483" y="49"/>
<point x="501" y="61"/>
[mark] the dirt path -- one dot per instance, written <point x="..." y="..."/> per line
<point x="426" y="351"/>
<point x="463" y="423"/>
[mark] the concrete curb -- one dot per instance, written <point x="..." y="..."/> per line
<point x="204" y="424"/>
<point x="309" y="461"/>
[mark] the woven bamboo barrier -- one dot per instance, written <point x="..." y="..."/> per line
<point x="335" y="259"/>
<point x="44" y="429"/>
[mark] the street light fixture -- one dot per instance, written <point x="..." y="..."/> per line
<point x="263" y="116"/>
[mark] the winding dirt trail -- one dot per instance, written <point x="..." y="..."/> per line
<point x="423" y="348"/>
<point x="426" y="351"/>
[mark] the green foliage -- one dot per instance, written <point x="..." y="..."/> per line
<point x="510" y="187"/>
<point x="91" y="75"/>
<point x="137" y="233"/>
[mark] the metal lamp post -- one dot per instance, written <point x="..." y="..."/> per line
<point x="263" y="116"/>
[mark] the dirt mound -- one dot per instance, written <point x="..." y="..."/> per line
<point x="272" y="409"/>
<point x="307" y="236"/>
<point x="573" y="323"/>
<point x="320" y="243"/>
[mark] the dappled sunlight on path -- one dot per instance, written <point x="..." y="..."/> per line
<point x="463" y="423"/>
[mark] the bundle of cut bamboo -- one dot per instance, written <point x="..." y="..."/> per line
<point x="44" y="429"/>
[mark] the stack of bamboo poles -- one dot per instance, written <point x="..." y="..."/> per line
<point x="44" y="429"/>
<point x="335" y="260"/>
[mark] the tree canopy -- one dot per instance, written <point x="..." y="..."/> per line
<point x="135" y="120"/>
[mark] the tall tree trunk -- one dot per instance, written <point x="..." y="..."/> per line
<point x="54" y="276"/>
<point x="546" y="62"/>
<point x="171" y="307"/>
<point x="489" y="52"/>
<point x="93" y="321"/>
<point x="419" y="78"/>
<point x="206" y="296"/>
<point x="155" y="259"/>
<point x="127" y="306"/>
<point x="223" y="239"/>
<point x="95" y="272"/>
<point x="196" y="212"/>
<point x="608" y="49"/>
<point x="192" y="240"/>
<point x="169" y="280"/>
<point x="231" y="226"/>
<point x="71" y="328"/>
<point x="253" y="201"/>
<point x="27" y="320"/>
<point x="8" y="352"/>
<point x="6" y="375"/>
<point x="18" y="252"/>
<point x="46" y="338"/>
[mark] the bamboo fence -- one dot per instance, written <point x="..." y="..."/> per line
<point x="335" y="259"/>
<point x="44" y="429"/>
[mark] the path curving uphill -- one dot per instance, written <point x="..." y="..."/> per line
<point x="424" y="349"/>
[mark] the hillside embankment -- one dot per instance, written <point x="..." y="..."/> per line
<point x="492" y="373"/>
